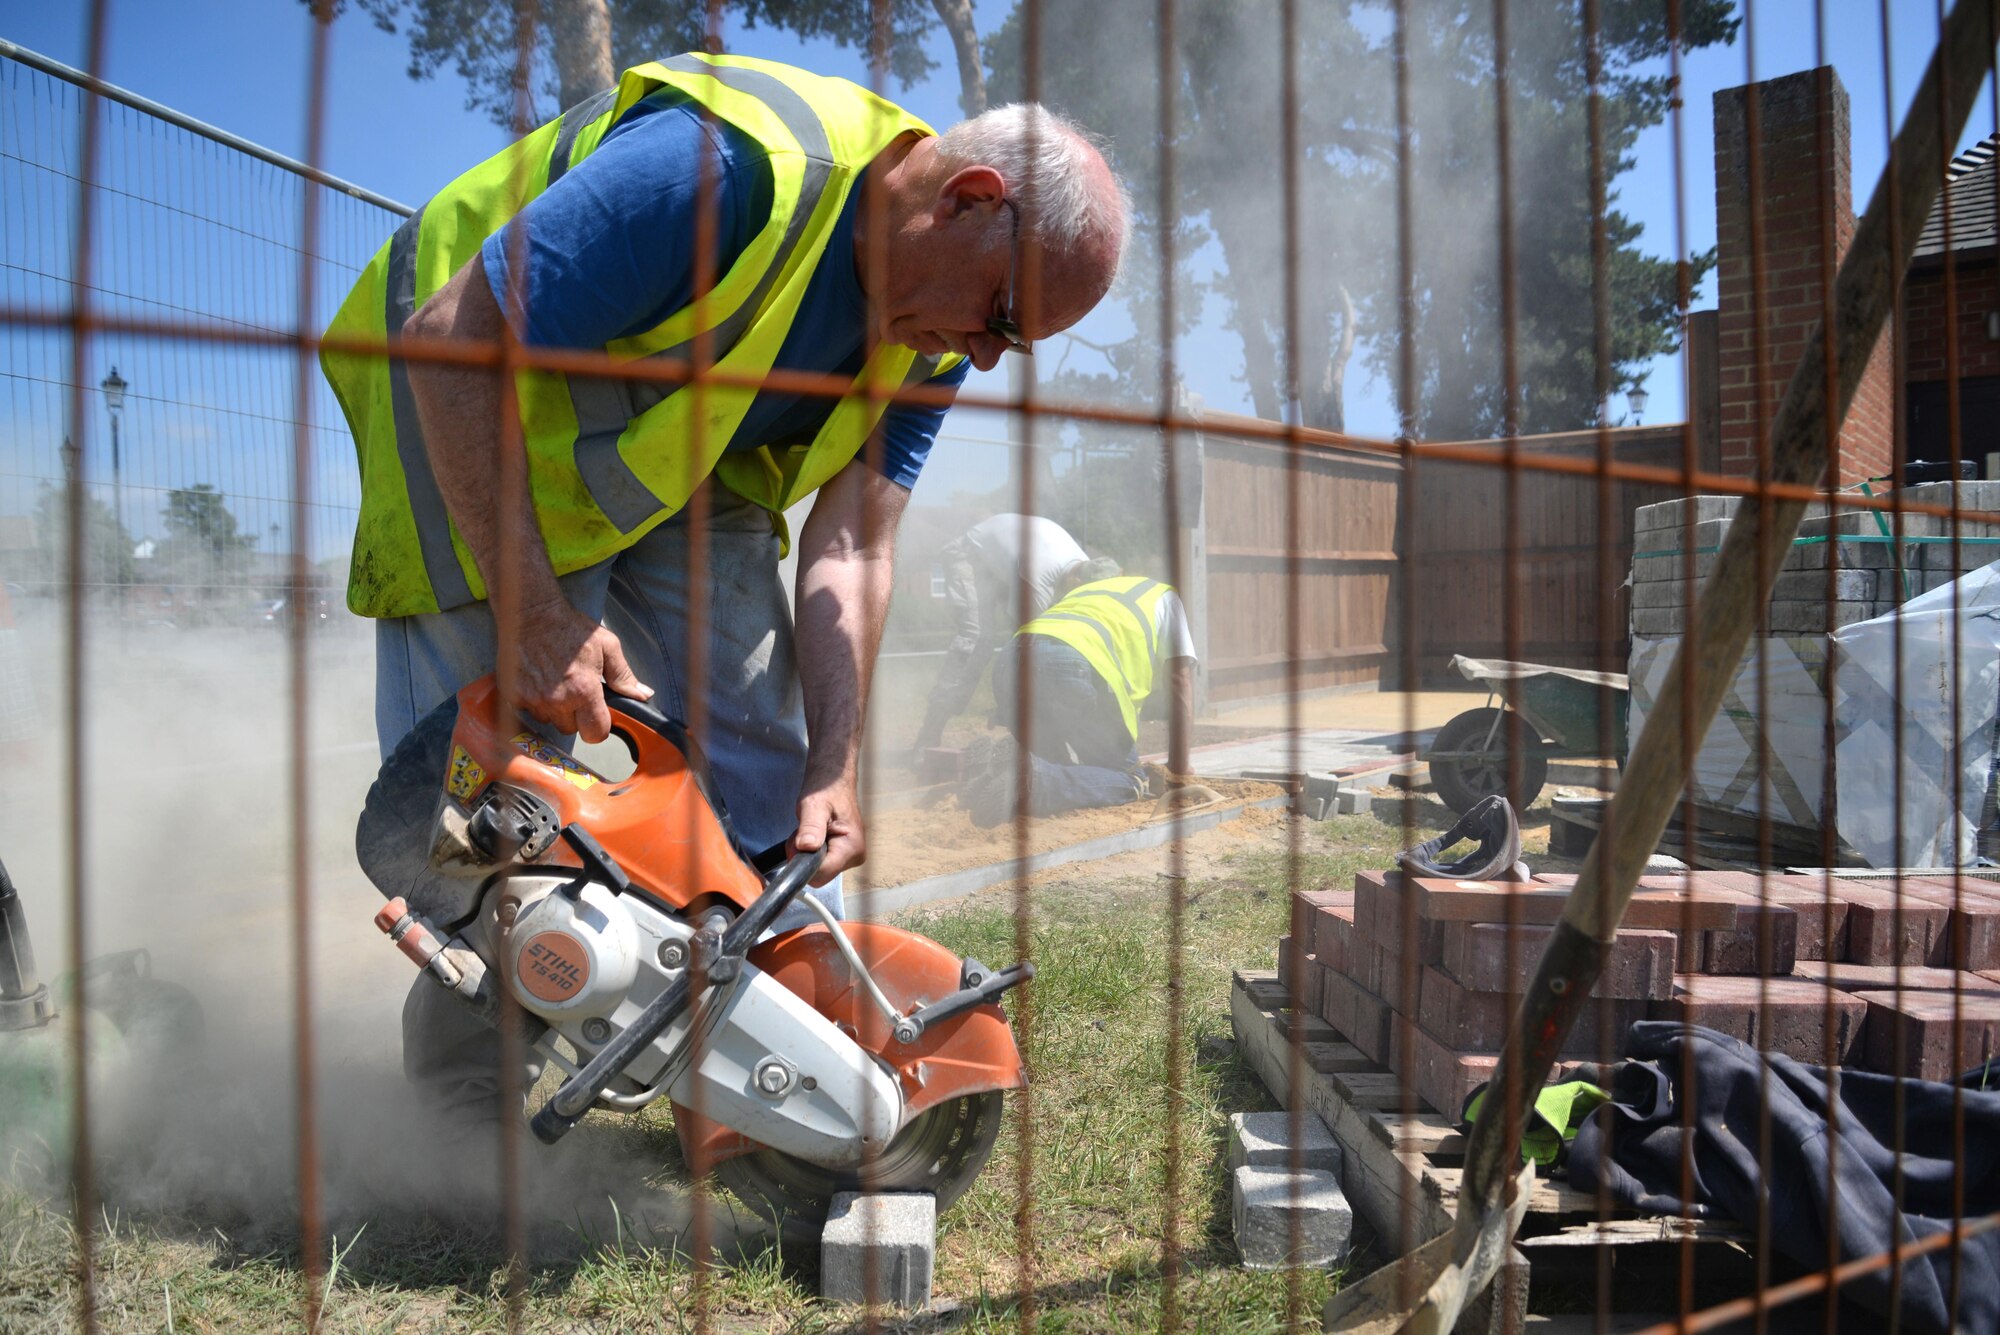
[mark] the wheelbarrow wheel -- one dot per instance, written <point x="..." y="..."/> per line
<point x="1462" y="781"/>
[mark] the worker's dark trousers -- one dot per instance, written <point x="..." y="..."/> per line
<point x="1074" y="730"/>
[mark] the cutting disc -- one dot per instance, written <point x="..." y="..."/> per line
<point x="939" y="1151"/>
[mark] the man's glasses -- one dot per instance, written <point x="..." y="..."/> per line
<point x="1008" y="327"/>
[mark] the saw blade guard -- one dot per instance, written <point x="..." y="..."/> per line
<point x="969" y="1053"/>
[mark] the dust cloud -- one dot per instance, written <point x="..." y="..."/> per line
<point x="188" y="843"/>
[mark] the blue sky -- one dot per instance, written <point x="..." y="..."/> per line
<point x="241" y="64"/>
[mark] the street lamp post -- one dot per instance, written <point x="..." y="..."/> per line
<point x="113" y="386"/>
<point x="1637" y="398"/>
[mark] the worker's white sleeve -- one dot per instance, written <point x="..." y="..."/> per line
<point x="1171" y="624"/>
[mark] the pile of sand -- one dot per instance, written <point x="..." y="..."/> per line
<point x="916" y="842"/>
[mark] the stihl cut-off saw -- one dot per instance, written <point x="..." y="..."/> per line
<point x="630" y="929"/>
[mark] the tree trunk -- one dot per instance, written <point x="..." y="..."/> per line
<point x="1249" y="297"/>
<point x="1328" y="409"/>
<point x="957" y="17"/>
<point x="582" y="33"/>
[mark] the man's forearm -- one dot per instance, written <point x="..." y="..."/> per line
<point x="555" y="663"/>
<point x="460" y="409"/>
<point x="842" y="605"/>
<point x="846" y="573"/>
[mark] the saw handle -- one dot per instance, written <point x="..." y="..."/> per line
<point x="987" y="989"/>
<point x="649" y="717"/>
<point x="574" y="1098"/>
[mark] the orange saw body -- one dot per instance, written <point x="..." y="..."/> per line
<point x="633" y="931"/>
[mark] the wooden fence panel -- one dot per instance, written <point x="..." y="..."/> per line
<point x="1346" y="563"/>
<point x="1547" y="556"/>
<point x="1473" y="560"/>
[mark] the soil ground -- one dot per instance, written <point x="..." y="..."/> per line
<point x="915" y="842"/>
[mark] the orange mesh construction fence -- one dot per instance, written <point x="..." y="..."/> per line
<point x="1565" y="402"/>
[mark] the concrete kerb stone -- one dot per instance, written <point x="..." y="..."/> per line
<point x="899" y="1231"/>
<point x="1264" y="1140"/>
<point x="1267" y="1203"/>
<point x="1315" y="794"/>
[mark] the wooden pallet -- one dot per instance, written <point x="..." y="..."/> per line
<point x="1402" y="1162"/>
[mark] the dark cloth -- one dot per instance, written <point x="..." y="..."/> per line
<point x="1634" y="1146"/>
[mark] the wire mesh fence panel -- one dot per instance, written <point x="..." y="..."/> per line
<point x="184" y="455"/>
<point x="190" y="501"/>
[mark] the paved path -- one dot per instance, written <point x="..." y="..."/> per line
<point x="1316" y="752"/>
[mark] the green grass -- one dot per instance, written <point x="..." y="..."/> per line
<point x="1096" y="1043"/>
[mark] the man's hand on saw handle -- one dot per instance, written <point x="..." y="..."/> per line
<point x="567" y="662"/>
<point x="830" y="818"/>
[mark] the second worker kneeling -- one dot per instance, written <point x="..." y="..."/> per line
<point x="1092" y="661"/>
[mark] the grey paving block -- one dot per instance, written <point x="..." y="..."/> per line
<point x="1924" y="581"/>
<point x="1781" y="618"/>
<point x="1659" y="623"/>
<point x="1971" y="495"/>
<point x="1708" y="533"/>
<point x="1804" y="618"/>
<point x="1849" y="586"/>
<point x="1669" y="569"/>
<point x="899" y="1232"/>
<point x="1665" y="593"/>
<point x="1793" y="586"/>
<point x="1870" y="523"/>
<point x="1967" y="555"/>
<point x="1353" y="801"/>
<point x="1673" y="514"/>
<point x="1264" y="1140"/>
<point x="1266" y="1204"/>
<point x="1848" y="555"/>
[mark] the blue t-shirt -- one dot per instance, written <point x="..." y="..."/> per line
<point x="610" y="251"/>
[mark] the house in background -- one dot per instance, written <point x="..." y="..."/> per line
<point x="1974" y="282"/>
<point x="1803" y="189"/>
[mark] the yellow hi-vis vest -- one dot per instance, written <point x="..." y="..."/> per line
<point x="608" y="460"/>
<point x="1114" y="624"/>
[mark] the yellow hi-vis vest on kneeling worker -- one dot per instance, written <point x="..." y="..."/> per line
<point x="1114" y="624"/>
<point x="609" y="459"/>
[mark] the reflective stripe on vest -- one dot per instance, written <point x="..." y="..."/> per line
<point x="1113" y="623"/>
<point x="426" y="501"/>
<point x="605" y="408"/>
<point x="573" y="122"/>
<point x="609" y="458"/>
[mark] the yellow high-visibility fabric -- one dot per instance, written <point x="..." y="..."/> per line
<point x="1113" y="623"/>
<point x="609" y="459"/>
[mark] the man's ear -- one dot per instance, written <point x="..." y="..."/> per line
<point x="976" y="188"/>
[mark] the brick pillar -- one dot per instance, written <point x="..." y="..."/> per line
<point x="1801" y="170"/>
<point x="1704" y="387"/>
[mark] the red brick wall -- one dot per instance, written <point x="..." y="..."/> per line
<point x="1975" y="292"/>
<point x="1795" y="180"/>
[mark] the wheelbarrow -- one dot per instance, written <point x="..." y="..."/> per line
<point x="1562" y="712"/>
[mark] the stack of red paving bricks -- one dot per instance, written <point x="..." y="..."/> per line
<point x="1861" y="977"/>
